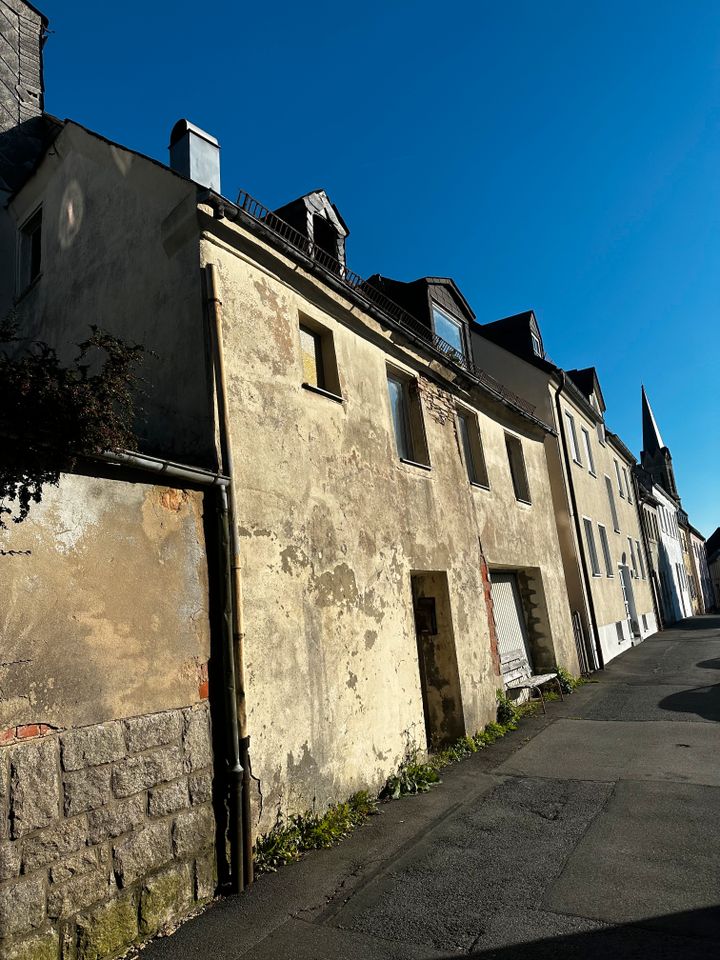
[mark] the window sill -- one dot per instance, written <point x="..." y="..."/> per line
<point x="528" y="503"/>
<point x="414" y="463"/>
<point x="592" y="474"/>
<point x="578" y="462"/>
<point x="28" y="288"/>
<point x="597" y="576"/>
<point x="323" y="393"/>
<point x="479" y="486"/>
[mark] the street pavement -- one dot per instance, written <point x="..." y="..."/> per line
<point x="592" y="832"/>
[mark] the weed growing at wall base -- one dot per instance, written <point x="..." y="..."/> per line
<point x="290" y="838"/>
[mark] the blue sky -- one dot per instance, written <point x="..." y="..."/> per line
<point x="562" y="156"/>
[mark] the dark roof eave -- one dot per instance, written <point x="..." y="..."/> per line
<point x="220" y="204"/>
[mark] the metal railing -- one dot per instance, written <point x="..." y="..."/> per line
<point x="400" y="317"/>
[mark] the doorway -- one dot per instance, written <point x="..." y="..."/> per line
<point x="629" y="600"/>
<point x="437" y="659"/>
<point x="510" y="626"/>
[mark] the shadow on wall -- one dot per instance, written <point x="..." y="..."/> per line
<point x="689" y="935"/>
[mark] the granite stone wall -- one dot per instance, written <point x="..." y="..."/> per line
<point x="106" y="833"/>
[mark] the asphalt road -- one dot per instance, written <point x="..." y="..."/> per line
<point x="594" y="832"/>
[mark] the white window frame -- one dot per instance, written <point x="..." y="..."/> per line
<point x="572" y="438"/>
<point x="588" y="450"/>
<point x="592" y="547"/>
<point x="633" y="558"/>
<point x="605" y="547"/>
<point x="613" y="505"/>
<point x="619" y="479"/>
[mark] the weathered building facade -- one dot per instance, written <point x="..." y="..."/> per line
<point x="591" y="469"/>
<point x="384" y="491"/>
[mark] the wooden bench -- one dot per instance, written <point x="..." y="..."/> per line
<point x="517" y="676"/>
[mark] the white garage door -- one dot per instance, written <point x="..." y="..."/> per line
<point x="509" y="621"/>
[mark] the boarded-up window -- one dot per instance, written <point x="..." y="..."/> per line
<point x="517" y="468"/>
<point x="472" y="449"/>
<point x="312" y="357"/>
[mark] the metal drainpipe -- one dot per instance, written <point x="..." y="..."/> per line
<point x="221" y="483"/>
<point x="576" y="518"/>
<point x="214" y="304"/>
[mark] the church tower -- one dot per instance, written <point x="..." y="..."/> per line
<point x="655" y="456"/>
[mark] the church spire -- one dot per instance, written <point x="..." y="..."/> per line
<point x="652" y="441"/>
<point x="655" y="456"/>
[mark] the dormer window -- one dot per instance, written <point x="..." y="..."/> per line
<point x="536" y="345"/>
<point x="448" y="329"/>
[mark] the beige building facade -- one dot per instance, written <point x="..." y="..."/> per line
<point x="366" y="556"/>
<point x="595" y="503"/>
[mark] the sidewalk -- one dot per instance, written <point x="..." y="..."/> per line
<point x="590" y="833"/>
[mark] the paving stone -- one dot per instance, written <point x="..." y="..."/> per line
<point x="168" y="798"/>
<point x="80" y="892"/>
<point x="116" y="818"/>
<point x="34" y="786"/>
<point x="164" y="896"/>
<point x="9" y="859"/>
<point x="193" y="831"/>
<point x="22" y="906"/>
<point x="87" y="789"/>
<point x="107" y="929"/>
<point x="147" y="770"/>
<point x="196" y="738"/>
<point x="200" y="787"/>
<point x="155" y="730"/>
<point x="142" y="852"/>
<point x="93" y="746"/>
<point x="50" y="845"/>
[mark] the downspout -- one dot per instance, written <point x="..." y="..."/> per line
<point x="221" y="483"/>
<point x="241" y="773"/>
<point x="576" y="519"/>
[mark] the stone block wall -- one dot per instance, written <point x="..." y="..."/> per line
<point x="107" y="833"/>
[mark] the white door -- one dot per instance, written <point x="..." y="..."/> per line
<point x="509" y="622"/>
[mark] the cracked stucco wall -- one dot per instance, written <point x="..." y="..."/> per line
<point x="105" y="611"/>
<point x="334" y="525"/>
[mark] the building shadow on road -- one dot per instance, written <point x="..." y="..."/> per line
<point x="697" y="623"/>
<point x="682" y="936"/>
<point x="703" y="701"/>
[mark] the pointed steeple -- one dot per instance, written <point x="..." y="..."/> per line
<point x="655" y="456"/>
<point x="652" y="441"/>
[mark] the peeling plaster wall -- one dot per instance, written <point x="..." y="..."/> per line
<point x="105" y="610"/>
<point x="333" y="526"/>
<point x="120" y="250"/>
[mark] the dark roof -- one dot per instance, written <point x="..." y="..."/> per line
<point x="713" y="542"/>
<point x="587" y="382"/>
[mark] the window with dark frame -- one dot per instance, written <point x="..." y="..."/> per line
<point x="619" y="479"/>
<point x="518" y="471"/>
<point x="319" y="364"/>
<point x="472" y="449"/>
<point x="407" y="418"/>
<point x="30" y="250"/>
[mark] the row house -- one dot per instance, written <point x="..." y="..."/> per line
<point x="386" y="490"/>
<point x="666" y="523"/>
<point x="591" y="471"/>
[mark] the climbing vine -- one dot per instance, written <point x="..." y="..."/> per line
<point x="52" y="413"/>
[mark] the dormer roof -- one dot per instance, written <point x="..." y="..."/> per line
<point x="588" y="384"/>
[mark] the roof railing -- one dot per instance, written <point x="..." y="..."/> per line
<point x="399" y="316"/>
